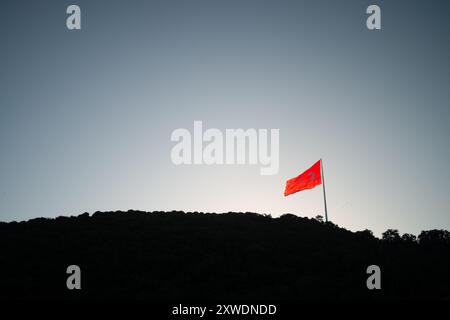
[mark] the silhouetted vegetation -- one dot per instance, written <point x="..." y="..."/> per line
<point x="174" y="255"/>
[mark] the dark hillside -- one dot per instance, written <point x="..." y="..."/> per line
<point x="215" y="256"/>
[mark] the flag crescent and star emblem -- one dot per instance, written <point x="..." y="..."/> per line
<point x="306" y="180"/>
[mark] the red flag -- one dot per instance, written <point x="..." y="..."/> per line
<point x="307" y="180"/>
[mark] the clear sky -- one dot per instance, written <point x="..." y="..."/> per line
<point x="86" y="116"/>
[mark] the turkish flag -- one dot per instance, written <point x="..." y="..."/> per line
<point x="307" y="180"/>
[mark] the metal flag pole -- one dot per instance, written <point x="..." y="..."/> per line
<point x="323" y="187"/>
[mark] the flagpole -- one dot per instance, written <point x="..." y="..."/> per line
<point x="323" y="187"/>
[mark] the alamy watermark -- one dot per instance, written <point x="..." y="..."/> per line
<point x="235" y="146"/>
<point x="74" y="279"/>
<point x="374" y="280"/>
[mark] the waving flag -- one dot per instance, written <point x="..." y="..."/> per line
<point x="307" y="180"/>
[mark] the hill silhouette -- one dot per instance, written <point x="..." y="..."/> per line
<point x="176" y="255"/>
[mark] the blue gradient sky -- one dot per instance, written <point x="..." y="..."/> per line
<point x="86" y="116"/>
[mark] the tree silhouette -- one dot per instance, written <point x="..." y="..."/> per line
<point x="319" y="218"/>
<point x="434" y="237"/>
<point x="391" y="235"/>
<point x="409" y="238"/>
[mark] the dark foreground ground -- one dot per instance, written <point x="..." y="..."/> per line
<point x="179" y="255"/>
